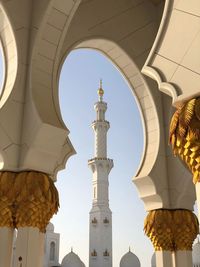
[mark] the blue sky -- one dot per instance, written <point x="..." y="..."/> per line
<point x="78" y="86"/>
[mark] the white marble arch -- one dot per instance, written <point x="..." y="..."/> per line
<point x="9" y="52"/>
<point x="158" y="179"/>
<point x="145" y="178"/>
<point x="31" y="139"/>
<point x="35" y="136"/>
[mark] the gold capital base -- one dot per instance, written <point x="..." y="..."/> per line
<point x="27" y="199"/>
<point x="184" y="135"/>
<point x="171" y="230"/>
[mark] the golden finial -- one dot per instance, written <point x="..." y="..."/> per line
<point x="100" y="91"/>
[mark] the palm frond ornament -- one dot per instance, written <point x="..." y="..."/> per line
<point x="184" y="135"/>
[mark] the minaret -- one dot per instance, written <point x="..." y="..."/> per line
<point x="100" y="247"/>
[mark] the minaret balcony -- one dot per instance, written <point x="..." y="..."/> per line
<point x="100" y="105"/>
<point x="99" y="159"/>
<point x="100" y="124"/>
<point x="95" y="163"/>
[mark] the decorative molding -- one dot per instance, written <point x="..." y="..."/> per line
<point x="151" y="72"/>
<point x="164" y="87"/>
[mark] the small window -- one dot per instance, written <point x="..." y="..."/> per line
<point x="94" y="253"/>
<point x="106" y="253"/>
<point x="52" y="251"/>
<point x="106" y="221"/>
<point x="94" y="221"/>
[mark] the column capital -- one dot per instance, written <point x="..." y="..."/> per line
<point x="185" y="134"/>
<point x="27" y="199"/>
<point x="171" y="230"/>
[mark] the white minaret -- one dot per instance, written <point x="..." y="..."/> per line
<point x="100" y="247"/>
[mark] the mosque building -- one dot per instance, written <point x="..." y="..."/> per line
<point x="129" y="260"/>
<point x="51" y="258"/>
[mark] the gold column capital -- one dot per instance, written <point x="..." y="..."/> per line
<point x="27" y="199"/>
<point x="184" y="135"/>
<point x="171" y="230"/>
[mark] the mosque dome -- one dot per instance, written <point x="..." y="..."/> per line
<point x="72" y="260"/>
<point x="196" y="254"/>
<point x="50" y="227"/>
<point x="153" y="260"/>
<point x="129" y="260"/>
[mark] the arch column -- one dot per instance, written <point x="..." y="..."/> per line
<point x="6" y="244"/>
<point x="172" y="233"/>
<point x="164" y="258"/>
<point x="6" y="223"/>
<point x="197" y="186"/>
<point x="29" y="199"/>
<point x="29" y="247"/>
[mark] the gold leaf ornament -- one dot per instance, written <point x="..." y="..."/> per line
<point x="184" y="135"/>
<point x="25" y="199"/>
<point x="171" y="230"/>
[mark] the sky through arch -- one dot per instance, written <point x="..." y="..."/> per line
<point x="79" y="82"/>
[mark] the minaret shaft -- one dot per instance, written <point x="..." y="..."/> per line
<point x="100" y="250"/>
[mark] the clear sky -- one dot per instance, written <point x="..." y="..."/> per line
<point x="79" y="82"/>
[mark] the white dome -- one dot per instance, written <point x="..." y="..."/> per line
<point x="72" y="260"/>
<point x="196" y="255"/>
<point x="50" y="227"/>
<point x="129" y="260"/>
<point x="153" y="260"/>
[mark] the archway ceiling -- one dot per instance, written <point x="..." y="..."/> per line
<point x="174" y="59"/>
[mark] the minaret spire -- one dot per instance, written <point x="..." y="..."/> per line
<point x="100" y="91"/>
<point x="100" y="215"/>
